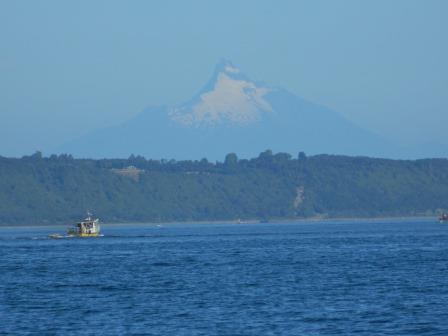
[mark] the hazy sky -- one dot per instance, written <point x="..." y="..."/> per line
<point x="68" y="67"/>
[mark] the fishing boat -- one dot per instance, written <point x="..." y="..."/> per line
<point x="89" y="227"/>
<point x="443" y="217"/>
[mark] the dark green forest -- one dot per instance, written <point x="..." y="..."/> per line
<point x="60" y="189"/>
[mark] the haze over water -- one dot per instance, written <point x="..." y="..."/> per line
<point x="308" y="278"/>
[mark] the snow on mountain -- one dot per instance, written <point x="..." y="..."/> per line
<point x="230" y="97"/>
<point x="233" y="100"/>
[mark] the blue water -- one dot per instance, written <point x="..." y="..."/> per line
<point x="317" y="278"/>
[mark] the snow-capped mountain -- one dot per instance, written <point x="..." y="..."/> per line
<point x="230" y="97"/>
<point x="232" y="113"/>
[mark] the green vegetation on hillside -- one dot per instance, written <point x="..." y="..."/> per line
<point x="59" y="189"/>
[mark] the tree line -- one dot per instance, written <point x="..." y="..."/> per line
<point x="59" y="189"/>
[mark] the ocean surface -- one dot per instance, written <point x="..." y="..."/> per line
<point x="307" y="278"/>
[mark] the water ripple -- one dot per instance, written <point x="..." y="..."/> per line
<point x="276" y="279"/>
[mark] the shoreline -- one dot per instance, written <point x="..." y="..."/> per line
<point x="242" y="222"/>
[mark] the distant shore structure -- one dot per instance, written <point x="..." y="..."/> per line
<point x="129" y="171"/>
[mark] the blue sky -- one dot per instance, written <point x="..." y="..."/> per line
<point x="69" y="67"/>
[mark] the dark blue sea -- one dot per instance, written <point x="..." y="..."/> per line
<point x="307" y="278"/>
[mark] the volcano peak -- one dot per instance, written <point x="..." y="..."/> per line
<point x="230" y="97"/>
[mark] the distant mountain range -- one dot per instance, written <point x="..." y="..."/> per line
<point x="233" y="113"/>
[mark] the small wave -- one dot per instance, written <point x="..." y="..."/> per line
<point x="162" y="264"/>
<point x="24" y="238"/>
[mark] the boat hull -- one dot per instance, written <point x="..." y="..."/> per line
<point x="87" y="235"/>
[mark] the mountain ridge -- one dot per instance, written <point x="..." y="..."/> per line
<point x="232" y="113"/>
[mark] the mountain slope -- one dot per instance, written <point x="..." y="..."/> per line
<point x="232" y="113"/>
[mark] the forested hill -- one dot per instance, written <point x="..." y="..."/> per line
<point x="59" y="189"/>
